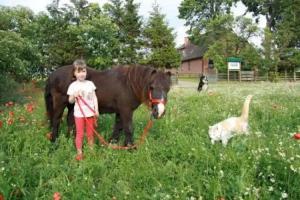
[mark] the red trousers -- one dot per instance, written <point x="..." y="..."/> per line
<point x="88" y="124"/>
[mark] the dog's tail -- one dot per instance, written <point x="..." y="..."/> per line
<point x="245" y="111"/>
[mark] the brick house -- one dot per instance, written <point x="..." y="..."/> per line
<point x="192" y="60"/>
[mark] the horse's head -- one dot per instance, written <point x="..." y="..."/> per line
<point x="157" y="92"/>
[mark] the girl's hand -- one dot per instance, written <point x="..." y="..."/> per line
<point x="97" y="114"/>
<point x="96" y="122"/>
<point x="77" y="93"/>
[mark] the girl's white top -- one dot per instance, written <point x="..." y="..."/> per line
<point x="86" y="89"/>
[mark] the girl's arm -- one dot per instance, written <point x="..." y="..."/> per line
<point x="96" y="104"/>
<point x="73" y="97"/>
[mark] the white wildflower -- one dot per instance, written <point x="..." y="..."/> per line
<point x="271" y="189"/>
<point x="292" y="168"/>
<point x="284" y="195"/>
<point x="221" y="174"/>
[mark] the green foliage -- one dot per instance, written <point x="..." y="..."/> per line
<point x="177" y="160"/>
<point x="125" y="15"/>
<point x="198" y="13"/>
<point x="225" y="43"/>
<point x="18" y="55"/>
<point x="159" y="42"/>
<point x="9" y="89"/>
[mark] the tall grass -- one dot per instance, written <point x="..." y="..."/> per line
<point x="176" y="162"/>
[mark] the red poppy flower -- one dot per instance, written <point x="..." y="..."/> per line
<point x="297" y="136"/>
<point x="11" y="114"/>
<point x="56" y="196"/>
<point x="1" y="124"/>
<point x="1" y="197"/>
<point x="29" y="107"/>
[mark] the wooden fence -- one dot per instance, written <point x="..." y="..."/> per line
<point x="245" y="76"/>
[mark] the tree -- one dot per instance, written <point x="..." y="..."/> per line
<point x="282" y="38"/>
<point x="125" y="15"/>
<point x="159" y="42"/>
<point x="198" y="13"/>
<point x="231" y="39"/>
<point x="18" y="56"/>
<point x="132" y="31"/>
<point x="61" y="39"/>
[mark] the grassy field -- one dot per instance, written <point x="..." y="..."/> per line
<point x="176" y="162"/>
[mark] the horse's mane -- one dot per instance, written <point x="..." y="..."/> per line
<point x="138" y="78"/>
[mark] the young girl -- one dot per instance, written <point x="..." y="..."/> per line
<point x="82" y="92"/>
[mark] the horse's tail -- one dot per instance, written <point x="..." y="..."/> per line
<point x="48" y="101"/>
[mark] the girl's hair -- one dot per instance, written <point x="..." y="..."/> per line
<point x="78" y="66"/>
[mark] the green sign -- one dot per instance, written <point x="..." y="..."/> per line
<point x="234" y="59"/>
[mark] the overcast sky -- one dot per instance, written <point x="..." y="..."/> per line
<point x="168" y="7"/>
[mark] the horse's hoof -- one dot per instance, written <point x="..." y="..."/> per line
<point x="49" y="136"/>
<point x="113" y="141"/>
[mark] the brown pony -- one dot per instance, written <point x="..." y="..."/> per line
<point x="119" y="90"/>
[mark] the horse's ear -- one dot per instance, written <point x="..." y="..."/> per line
<point x="153" y="72"/>
<point x="169" y="74"/>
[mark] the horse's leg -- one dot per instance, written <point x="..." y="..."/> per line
<point x="70" y="119"/>
<point x="117" y="129"/>
<point x="126" y="118"/>
<point x="59" y="103"/>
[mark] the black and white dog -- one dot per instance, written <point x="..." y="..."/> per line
<point x="203" y="84"/>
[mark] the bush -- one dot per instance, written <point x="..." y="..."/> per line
<point x="9" y="89"/>
<point x="274" y="77"/>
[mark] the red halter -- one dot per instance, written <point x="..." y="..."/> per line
<point x="155" y="101"/>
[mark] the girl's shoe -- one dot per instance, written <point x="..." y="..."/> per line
<point x="79" y="157"/>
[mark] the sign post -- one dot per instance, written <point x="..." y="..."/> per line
<point x="234" y="64"/>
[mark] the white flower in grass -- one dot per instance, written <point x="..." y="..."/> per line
<point x="221" y="174"/>
<point x="284" y="195"/>
<point x="271" y="189"/>
<point x="282" y="154"/>
<point x="3" y="168"/>
<point x="292" y="168"/>
<point x="272" y="180"/>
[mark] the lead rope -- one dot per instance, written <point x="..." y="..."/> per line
<point x="101" y="138"/>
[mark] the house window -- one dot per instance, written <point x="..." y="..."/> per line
<point x="189" y="66"/>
